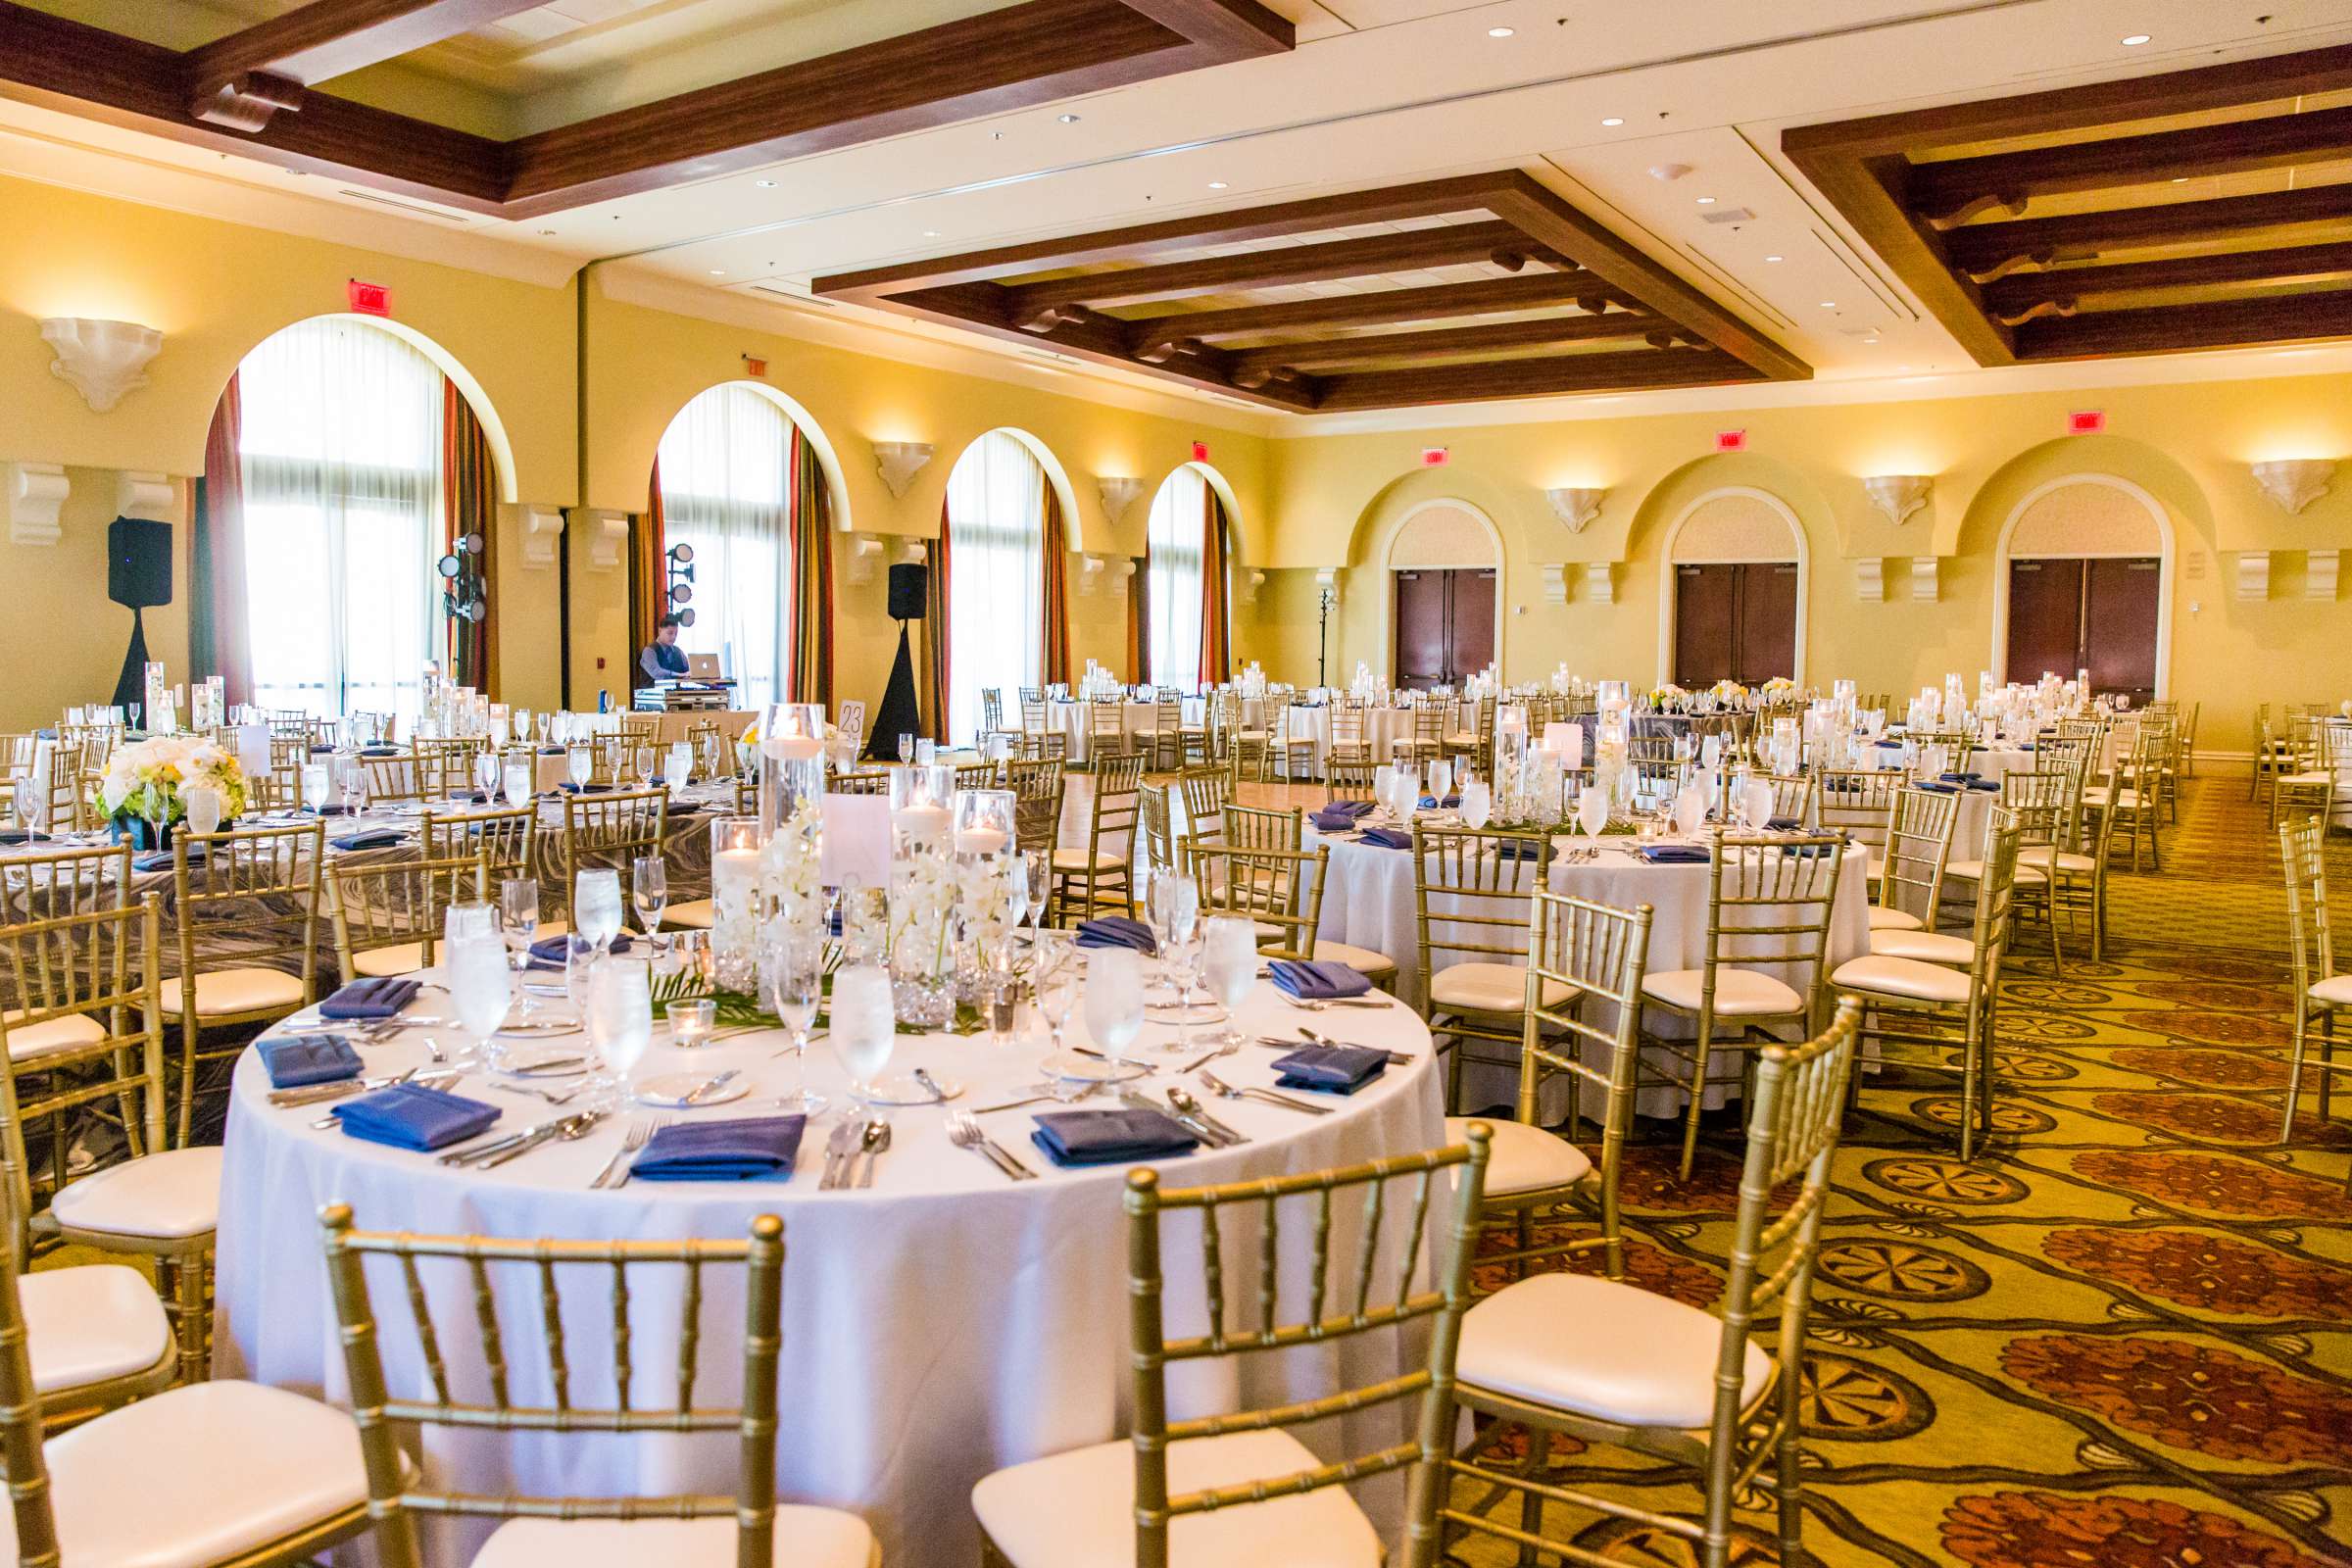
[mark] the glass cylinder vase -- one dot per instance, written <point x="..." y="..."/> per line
<point x="735" y="846"/>
<point x="792" y="759"/>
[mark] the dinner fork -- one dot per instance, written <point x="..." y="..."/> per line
<point x="964" y="1133"/>
<point x="641" y="1128"/>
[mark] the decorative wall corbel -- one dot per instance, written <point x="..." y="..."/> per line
<point x="32" y="494"/>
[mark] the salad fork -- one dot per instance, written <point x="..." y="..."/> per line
<point x="964" y="1133"/>
<point x="641" y="1128"/>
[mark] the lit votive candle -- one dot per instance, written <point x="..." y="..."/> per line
<point x="691" y="1022"/>
<point x="979" y="841"/>
<point x="922" y="823"/>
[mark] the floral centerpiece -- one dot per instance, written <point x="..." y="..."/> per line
<point x="144" y="789"/>
<point x="922" y="903"/>
<point x="1779" y="686"/>
<point x="1729" y="692"/>
<point x="1667" y="698"/>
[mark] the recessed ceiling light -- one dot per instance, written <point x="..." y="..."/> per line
<point x="1772" y="258"/>
<point x="930" y="233"/>
<point x="2136" y="40"/>
<point x="765" y="184"/>
<point x="1216" y="184"/>
<point x="547" y="231"/>
<point x="718" y="271"/>
<point x="2180" y="179"/>
<point x="1706" y="201"/>
<point x="1069" y="120"/>
<point x="1500" y="33"/>
<point x="1829" y="305"/>
<point x="1613" y="122"/>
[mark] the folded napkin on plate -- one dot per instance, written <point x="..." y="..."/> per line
<point x="552" y="953"/>
<point x="161" y="859"/>
<point x="380" y="751"/>
<point x="413" y="1117"/>
<point x="1430" y="803"/>
<point x="331" y="808"/>
<point x="1340" y="816"/>
<point x="551" y="751"/>
<point x="748" y="1150"/>
<point x="570" y="788"/>
<point x="1116" y="931"/>
<point x="377" y="998"/>
<point x="323" y="750"/>
<point x="368" y="838"/>
<point x="1330" y="1070"/>
<point x="1985" y="784"/>
<point x="1317" y="981"/>
<point x="1388" y="838"/>
<point x="1675" y="853"/>
<point x="1110" y="1136"/>
<point x="1959" y="778"/>
<point x="294" y="1060"/>
<point x="15" y="835"/>
<point x="1784" y="824"/>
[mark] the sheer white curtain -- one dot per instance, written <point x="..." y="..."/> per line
<point x="1178" y="514"/>
<point x="726" y="489"/>
<point x="996" y="575"/>
<point x="342" y="452"/>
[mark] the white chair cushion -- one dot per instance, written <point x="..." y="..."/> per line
<point x="1575" y="1341"/>
<point x="1739" y="992"/>
<point x="1075" y="860"/>
<point x="2316" y="776"/>
<point x="221" y="993"/>
<point x="806" y="1537"/>
<point x="171" y="1196"/>
<point x="1927" y="946"/>
<point x="1077" y="1509"/>
<point x="1463" y="740"/>
<point x="199" y="1474"/>
<point x="91" y="1323"/>
<point x="1486" y="988"/>
<point x="1524" y="1158"/>
<point x="2040" y="856"/>
<point x="1363" y="961"/>
<point x="406" y="958"/>
<point x="2335" y="990"/>
<point x="50" y="1034"/>
<point x="1908" y="978"/>
<point x="694" y="914"/>
<point x="1972" y="870"/>
<point x="1885" y="919"/>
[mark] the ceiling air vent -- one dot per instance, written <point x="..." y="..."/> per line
<point x="401" y="206"/>
<point x="1727" y="215"/>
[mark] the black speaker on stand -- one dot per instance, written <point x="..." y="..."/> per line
<point x="138" y="574"/>
<point x="900" y="713"/>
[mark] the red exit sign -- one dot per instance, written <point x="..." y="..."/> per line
<point x="1731" y="440"/>
<point x="2087" y="422"/>
<point x="1200" y="452"/>
<point x="367" y="299"/>
<point x="1435" y="457"/>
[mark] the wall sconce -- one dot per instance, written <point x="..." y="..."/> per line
<point x="900" y="462"/>
<point x="1896" y="496"/>
<point x="1117" y="494"/>
<point x="103" y="360"/>
<point x="2293" y="483"/>
<point x="1576" y="507"/>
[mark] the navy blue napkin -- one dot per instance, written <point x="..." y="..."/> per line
<point x="380" y="751"/>
<point x="378" y="996"/>
<point x="1430" y="803"/>
<point x="15" y="835"/>
<point x="1674" y="853"/>
<point x="549" y="953"/>
<point x="1388" y="838"/>
<point x="1317" y="981"/>
<point x="1935" y="787"/>
<point x="1959" y="778"/>
<point x="1110" y="1136"/>
<point x="551" y="751"/>
<point x="1985" y="784"/>
<point x="1340" y="816"/>
<point x="1116" y="931"/>
<point x="748" y="1150"/>
<point x="1785" y="824"/>
<point x="161" y="859"/>
<point x="413" y="1117"/>
<point x="323" y="750"/>
<point x="1330" y="1070"/>
<point x="568" y="787"/>
<point x="294" y="1060"/>
<point x="369" y="838"/>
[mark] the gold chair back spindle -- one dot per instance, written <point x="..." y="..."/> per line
<point x="1278" y="890"/>
<point x="608" y="831"/>
<point x="2312" y="957"/>
<point x="252" y="897"/>
<point x="1473" y="892"/>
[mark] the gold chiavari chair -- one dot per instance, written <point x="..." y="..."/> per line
<point x="2044" y="805"/>
<point x="1159" y="842"/>
<point x="643" y="728"/>
<point x="1044" y="746"/>
<point x="1106" y="738"/>
<point x="713" y="757"/>
<point x="1794" y="797"/>
<point x="860" y="781"/>
<point x="746" y="1528"/>
<point x="1096" y="880"/>
<point x="1940" y="992"/>
<point x="2076" y="863"/>
<point x="61" y="788"/>
<point x="386" y="916"/>
<point x="2272" y="752"/>
<point x="1350" y="780"/>
<point x="1206" y="793"/>
<point x="443" y="765"/>
<point x="1598" y="954"/>
<point x="1426" y="742"/>
<point x="1351" y="746"/>
<point x="393" y="779"/>
<point x="1472" y="893"/>
<point x="1677" y="1383"/>
<point x="992" y="713"/>
<point x="1262" y="827"/>
<point x="1475" y="745"/>
<point x="1037" y="789"/>
<point x="1290" y="752"/>
<point x="1241" y="1489"/>
<point x="1768" y="905"/>
<point x="1651" y="757"/>
<point x="1036" y="714"/>
<point x="1167" y="736"/>
<point x="1860" y="803"/>
<point x="626" y="759"/>
<point x="1248" y="746"/>
<point x="1917" y="847"/>
<point x="2320" y="991"/>
<point x="17" y="751"/>
<point x="254" y="1477"/>
<point x="976" y="776"/>
<point x="609" y="831"/>
<point x="506" y="837"/>
<point x="246" y="904"/>
<point x="2131" y="796"/>
<point x="2322" y="764"/>
<point x="1279" y="891"/>
<point x="83" y="1028"/>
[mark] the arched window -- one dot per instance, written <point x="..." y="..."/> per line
<point x="1179" y="527"/>
<point x="340" y="453"/>
<point x="726" y="490"/>
<point x="996" y="575"/>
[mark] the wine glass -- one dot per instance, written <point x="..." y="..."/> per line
<point x="522" y="726"/>
<point x="794" y="972"/>
<point x="580" y="764"/>
<point x="596" y="907"/>
<point x="1183" y="921"/>
<point x="905" y="750"/>
<point x="579" y="963"/>
<point x="649" y="891"/>
<point x="1055" y="976"/>
<point x="621" y="1016"/>
<point x="27" y="791"/>
<point x="864" y="1028"/>
<point x="1440" y="780"/>
<point x="1477" y="805"/>
<point x="1229" y="966"/>
<point x="485" y="773"/>
<point x="518" y="923"/>
<point x="1592" y="813"/>
<point x="642" y="763"/>
<point x="479" y="983"/>
<point x="1114" y="999"/>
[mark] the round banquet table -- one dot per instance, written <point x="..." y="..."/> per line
<point x="939" y="1326"/>
<point x="1371" y="904"/>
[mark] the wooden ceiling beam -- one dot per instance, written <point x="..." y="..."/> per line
<point x="1987" y="251"/>
<point x="1235" y="29"/>
<point x="1948" y="190"/>
<point x="2023" y="296"/>
<point x="2181" y="329"/>
<point x="1363" y="256"/>
<point x="1639" y="369"/>
<point x="1445" y="342"/>
<point x="1382" y="307"/>
<point x="326" y="38"/>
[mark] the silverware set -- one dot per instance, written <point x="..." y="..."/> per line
<point x="616" y="1169"/>
<point x="491" y="1155"/>
<point x="964" y="1133"/>
<point x="1188" y="1113"/>
<point x="850" y="1142"/>
<point x="1397" y="1058"/>
<point x="1225" y="1090"/>
<point x="341" y="1088"/>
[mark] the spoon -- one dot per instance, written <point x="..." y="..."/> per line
<point x="1225" y="1090"/>
<point x="875" y="1141"/>
<point x="1193" y="1107"/>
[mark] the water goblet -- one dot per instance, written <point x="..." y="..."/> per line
<point x="795" y="974"/>
<point x="596" y="907"/>
<point x="620" y="1017"/>
<point x="581" y="764"/>
<point x="1114" y="999"/>
<point x="1477" y="805"/>
<point x="864" y="1027"/>
<point x="480" y="985"/>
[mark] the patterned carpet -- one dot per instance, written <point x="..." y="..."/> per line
<point x="2123" y="1337"/>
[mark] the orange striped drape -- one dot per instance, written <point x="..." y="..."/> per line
<point x="812" y="577"/>
<point x="470" y="504"/>
<point x="219" y="641"/>
<point x="1138" y="617"/>
<point x="649" y="576"/>
<point x="1055" y="544"/>
<point x="935" y="627"/>
<point x="1216" y="634"/>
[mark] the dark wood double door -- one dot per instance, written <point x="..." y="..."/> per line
<point x="2097" y="613"/>
<point x="1444" y="626"/>
<point x="1735" y="620"/>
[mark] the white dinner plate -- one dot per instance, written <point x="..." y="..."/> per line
<point x="902" y="1089"/>
<point x="669" y="1091"/>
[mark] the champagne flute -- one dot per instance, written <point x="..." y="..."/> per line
<point x="1114" y="999"/>
<point x="1229" y="964"/>
<point x="905" y="750"/>
<point x="649" y="892"/>
<point x="485" y="775"/>
<point x="1039" y="869"/>
<point x="796" y="974"/>
<point x="864" y="1028"/>
<point x="596" y="907"/>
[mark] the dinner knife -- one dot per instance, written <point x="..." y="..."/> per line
<point x="1397" y="1058"/>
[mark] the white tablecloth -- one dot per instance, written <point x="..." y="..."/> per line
<point x="942" y="1325"/>
<point x="1382" y="727"/>
<point x="1070" y="718"/>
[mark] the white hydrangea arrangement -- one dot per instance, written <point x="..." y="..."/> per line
<point x="150" y="779"/>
